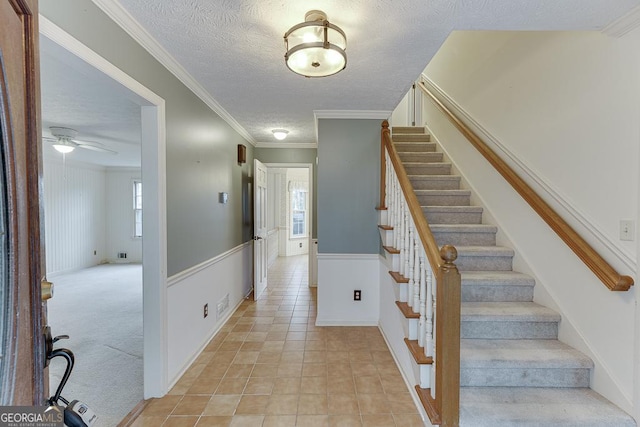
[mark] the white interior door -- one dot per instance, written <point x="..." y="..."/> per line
<point x="260" y="228"/>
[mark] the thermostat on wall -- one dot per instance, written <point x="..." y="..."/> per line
<point x="223" y="197"/>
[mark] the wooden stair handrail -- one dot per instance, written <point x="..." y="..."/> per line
<point x="592" y="259"/>
<point x="428" y="241"/>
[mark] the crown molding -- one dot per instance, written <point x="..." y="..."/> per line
<point x="624" y="24"/>
<point x="286" y="145"/>
<point x="114" y="10"/>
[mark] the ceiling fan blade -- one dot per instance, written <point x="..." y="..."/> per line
<point x="96" y="148"/>
<point x="49" y="139"/>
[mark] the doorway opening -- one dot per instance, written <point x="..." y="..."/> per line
<point x="119" y="178"/>
<point x="290" y="217"/>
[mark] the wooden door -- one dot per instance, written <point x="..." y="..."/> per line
<point x="260" y="228"/>
<point x="22" y="311"/>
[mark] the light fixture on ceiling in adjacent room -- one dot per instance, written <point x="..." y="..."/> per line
<point x="280" y="134"/>
<point x="64" y="147"/>
<point x="315" y="48"/>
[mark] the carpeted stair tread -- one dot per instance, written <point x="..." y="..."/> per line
<point x="411" y="137"/>
<point x="408" y="146"/>
<point x="463" y="228"/>
<point x="420" y="156"/>
<point x="471" y="251"/>
<point x="507" y="312"/>
<point x="496" y="286"/>
<point x="435" y="182"/>
<point x="533" y="407"/>
<point x="496" y="278"/>
<point x="453" y="214"/>
<point x="496" y="354"/>
<point x="408" y="129"/>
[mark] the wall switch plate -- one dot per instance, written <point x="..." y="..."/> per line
<point x="223" y="198"/>
<point x="357" y="295"/>
<point x="206" y="310"/>
<point x="627" y="230"/>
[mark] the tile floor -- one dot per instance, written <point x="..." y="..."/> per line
<point x="271" y="366"/>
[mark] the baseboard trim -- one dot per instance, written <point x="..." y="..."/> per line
<point x="206" y="342"/>
<point x="372" y="322"/>
<point x="555" y="194"/>
<point x="176" y="278"/>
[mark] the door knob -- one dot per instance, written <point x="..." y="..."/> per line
<point x="47" y="290"/>
<point x="257" y="238"/>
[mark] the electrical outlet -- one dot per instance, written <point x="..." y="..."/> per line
<point x="206" y="310"/>
<point x="357" y="295"/>
<point x="627" y="229"/>
<point x="300" y="244"/>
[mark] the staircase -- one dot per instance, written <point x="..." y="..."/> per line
<point x="513" y="369"/>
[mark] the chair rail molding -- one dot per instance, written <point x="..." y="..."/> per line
<point x="562" y="200"/>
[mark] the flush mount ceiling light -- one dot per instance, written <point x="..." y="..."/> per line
<point x="315" y="48"/>
<point x="280" y="134"/>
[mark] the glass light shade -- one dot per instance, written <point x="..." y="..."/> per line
<point x="315" y="48"/>
<point x="63" y="148"/>
<point x="280" y="134"/>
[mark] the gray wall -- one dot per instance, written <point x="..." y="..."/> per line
<point x="295" y="155"/>
<point x="348" y="185"/>
<point x="201" y="147"/>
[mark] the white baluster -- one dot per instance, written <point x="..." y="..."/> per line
<point x="422" y="323"/>
<point x="403" y="231"/>
<point x="434" y="344"/>
<point x="429" y="320"/>
<point x="409" y="265"/>
<point x="416" y="276"/>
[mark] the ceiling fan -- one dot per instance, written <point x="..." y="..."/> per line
<point x="64" y="140"/>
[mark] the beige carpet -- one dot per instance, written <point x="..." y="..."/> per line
<point x="100" y="308"/>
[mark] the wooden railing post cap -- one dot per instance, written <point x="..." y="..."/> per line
<point x="449" y="254"/>
<point x="385" y="124"/>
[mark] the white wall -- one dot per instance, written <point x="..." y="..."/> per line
<point x="75" y="213"/>
<point x="566" y="106"/>
<point x="120" y="215"/>
<point x="338" y="276"/>
<point x="207" y="283"/>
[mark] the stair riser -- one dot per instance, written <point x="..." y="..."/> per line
<point x="508" y="330"/>
<point x="464" y="239"/>
<point x="421" y="157"/>
<point x="524" y="377"/>
<point x="452" y="183"/>
<point x="386" y="236"/>
<point x="422" y="373"/>
<point x="411" y="137"/>
<point x="453" y="217"/>
<point x="428" y="169"/>
<point x="444" y="199"/>
<point x="415" y="147"/>
<point x="484" y="263"/>
<point x="497" y="293"/>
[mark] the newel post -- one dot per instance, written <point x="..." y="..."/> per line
<point x="448" y="339"/>
<point x="383" y="163"/>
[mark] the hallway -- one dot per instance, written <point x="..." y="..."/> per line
<point x="271" y="366"/>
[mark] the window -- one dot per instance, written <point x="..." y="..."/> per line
<point x="298" y="213"/>
<point x="137" y="209"/>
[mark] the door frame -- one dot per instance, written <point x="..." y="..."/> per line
<point x="308" y="166"/>
<point x="154" y="248"/>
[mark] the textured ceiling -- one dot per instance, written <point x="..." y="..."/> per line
<point x="235" y="50"/>
<point x="78" y="96"/>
